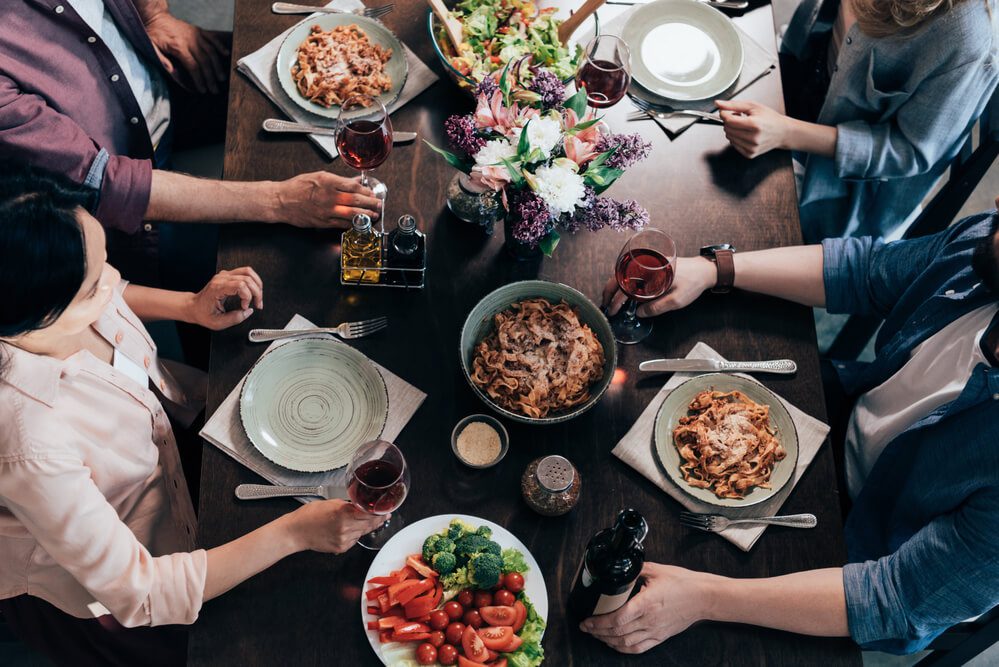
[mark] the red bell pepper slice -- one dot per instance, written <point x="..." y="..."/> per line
<point x="395" y="589"/>
<point x="410" y="636"/>
<point x="383" y="581"/>
<point x="385" y="637"/>
<point x="420" y="606"/>
<point x="416" y="562"/>
<point x="406" y="573"/>
<point x="374" y="610"/>
<point x="411" y="627"/>
<point x="407" y="594"/>
<point x="373" y="593"/>
<point x="390" y="622"/>
<point x="383" y="603"/>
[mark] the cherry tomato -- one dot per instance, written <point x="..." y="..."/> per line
<point x="472" y="619"/>
<point x="447" y="654"/>
<point x="439" y="619"/>
<point x="465" y="598"/>
<point x="436" y="638"/>
<point x="514" y="582"/>
<point x="503" y="598"/>
<point x="453" y="610"/>
<point x="483" y="599"/>
<point x="453" y="633"/>
<point x="498" y="615"/>
<point x="426" y="654"/>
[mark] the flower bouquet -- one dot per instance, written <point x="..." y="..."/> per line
<point x="546" y="157"/>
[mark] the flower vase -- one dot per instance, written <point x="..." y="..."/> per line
<point x="474" y="204"/>
<point x="520" y="251"/>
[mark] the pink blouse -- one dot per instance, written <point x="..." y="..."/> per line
<point x="95" y="514"/>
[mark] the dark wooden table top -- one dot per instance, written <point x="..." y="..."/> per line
<point x="304" y="610"/>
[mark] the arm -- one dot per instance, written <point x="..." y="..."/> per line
<point x="206" y="308"/>
<point x="754" y="129"/>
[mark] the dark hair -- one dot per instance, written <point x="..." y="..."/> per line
<point x="43" y="259"/>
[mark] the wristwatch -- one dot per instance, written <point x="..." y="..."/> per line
<point x="722" y="255"/>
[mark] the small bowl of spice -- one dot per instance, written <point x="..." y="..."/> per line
<point x="479" y="441"/>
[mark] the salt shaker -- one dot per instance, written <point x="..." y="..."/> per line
<point x="551" y="485"/>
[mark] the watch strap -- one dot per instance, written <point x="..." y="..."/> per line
<point x="725" y="263"/>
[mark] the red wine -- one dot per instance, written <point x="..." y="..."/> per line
<point x="377" y="487"/>
<point x="606" y="82"/>
<point x="610" y="568"/>
<point x="644" y="274"/>
<point x="365" y="144"/>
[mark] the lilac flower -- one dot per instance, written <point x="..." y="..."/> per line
<point x="530" y="215"/>
<point x="549" y="87"/>
<point x="486" y="87"/>
<point x="606" y="212"/>
<point x="631" y="148"/>
<point x="460" y="132"/>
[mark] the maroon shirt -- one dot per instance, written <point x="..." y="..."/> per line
<point x="60" y="110"/>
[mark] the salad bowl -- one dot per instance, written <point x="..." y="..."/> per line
<point x="469" y="69"/>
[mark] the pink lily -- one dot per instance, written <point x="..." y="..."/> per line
<point x="580" y="147"/>
<point x="490" y="176"/>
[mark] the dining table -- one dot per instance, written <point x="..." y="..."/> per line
<point x="305" y="609"/>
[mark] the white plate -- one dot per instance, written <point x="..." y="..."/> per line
<point x="396" y="67"/>
<point x="410" y="540"/>
<point x="683" y="49"/>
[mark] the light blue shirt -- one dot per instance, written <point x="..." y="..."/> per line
<point x="902" y="106"/>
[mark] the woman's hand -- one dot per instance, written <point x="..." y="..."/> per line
<point x="693" y="276"/>
<point x="671" y="600"/>
<point x="208" y="306"/>
<point x="752" y="128"/>
<point x="322" y="199"/>
<point x="202" y="54"/>
<point x="331" y="526"/>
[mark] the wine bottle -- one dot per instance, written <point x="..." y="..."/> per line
<point x="611" y="564"/>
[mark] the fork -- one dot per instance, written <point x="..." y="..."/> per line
<point x="662" y="111"/>
<point x="347" y="330"/>
<point x="716" y="522"/>
<point x="370" y="12"/>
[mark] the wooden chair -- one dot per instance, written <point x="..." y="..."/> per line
<point x="963" y="642"/>
<point x="966" y="171"/>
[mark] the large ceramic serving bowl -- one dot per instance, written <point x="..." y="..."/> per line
<point x="479" y="324"/>
<point x="589" y="29"/>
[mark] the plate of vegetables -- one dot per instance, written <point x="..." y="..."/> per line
<point x="455" y="590"/>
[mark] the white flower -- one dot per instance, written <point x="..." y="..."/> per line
<point x="494" y="152"/>
<point x="544" y="134"/>
<point x="560" y="187"/>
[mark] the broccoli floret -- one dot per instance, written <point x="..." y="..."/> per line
<point x="484" y="569"/>
<point x="457" y="579"/>
<point x="430" y="547"/>
<point x="474" y="544"/>
<point x="484" y="531"/>
<point x="458" y="528"/>
<point x="445" y="544"/>
<point x="444" y="562"/>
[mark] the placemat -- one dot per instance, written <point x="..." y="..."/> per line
<point x="259" y="68"/>
<point x="225" y="430"/>
<point x="636" y="449"/>
<point x="757" y="63"/>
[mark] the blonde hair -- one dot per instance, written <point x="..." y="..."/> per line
<point x="881" y="18"/>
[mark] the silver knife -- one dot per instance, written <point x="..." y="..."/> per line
<point x="275" y="125"/>
<point x="782" y="366"/>
<point x="257" y="491"/>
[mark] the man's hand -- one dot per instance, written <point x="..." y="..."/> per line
<point x="671" y="600"/>
<point x="693" y="276"/>
<point x="322" y="199"/>
<point x="208" y="306"/>
<point x="752" y="128"/>
<point x="201" y="55"/>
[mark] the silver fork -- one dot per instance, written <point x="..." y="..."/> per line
<point x="662" y="111"/>
<point x="291" y="8"/>
<point x="716" y="522"/>
<point x="347" y="330"/>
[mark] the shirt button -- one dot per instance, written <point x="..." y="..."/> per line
<point x="118" y="337"/>
<point x="841" y="366"/>
<point x="146" y="361"/>
<point x="147" y="227"/>
<point x="995" y="397"/>
<point x="60" y="9"/>
<point x="162" y="385"/>
<point x="849" y="40"/>
<point x="835" y="68"/>
<point x="949" y="292"/>
<point x="114" y="77"/>
<point x="133" y="120"/>
<point x="91" y="40"/>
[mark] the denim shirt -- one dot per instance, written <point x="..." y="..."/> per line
<point x="923" y="535"/>
<point x="902" y="106"/>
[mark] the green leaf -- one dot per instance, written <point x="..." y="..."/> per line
<point x="452" y="159"/>
<point x="515" y="176"/>
<point x="585" y="125"/>
<point x="577" y="102"/>
<point x="601" y="178"/>
<point x="524" y="144"/>
<point x="600" y="159"/>
<point x="548" y="242"/>
<point x="504" y="84"/>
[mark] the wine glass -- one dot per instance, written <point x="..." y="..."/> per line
<point x="604" y="71"/>
<point x="378" y="482"/>
<point x="646" y="267"/>
<point x="364" y="140"/>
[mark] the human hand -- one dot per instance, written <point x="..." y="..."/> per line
<point x="322" y="199"/>
<point x="332" y="526"/>
<point x="693" y="276"/>
<point x="201" y="54"/>
<point x="753" y="129"/>
<point x="208" y="306"/>
<point x="671" y="600"/>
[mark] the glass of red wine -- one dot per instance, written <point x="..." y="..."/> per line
<point x="364" y="138"/>
<point x="378" y="482"/>
<point x="604" y="71"/>
<point x="646" y="267"/>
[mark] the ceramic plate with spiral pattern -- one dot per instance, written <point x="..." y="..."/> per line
<point x="309" y="404"/>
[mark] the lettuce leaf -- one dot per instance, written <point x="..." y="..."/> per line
<point x="513" y="561"/>
<point x="530" y="653"/>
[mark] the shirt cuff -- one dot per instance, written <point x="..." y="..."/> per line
<point x="179" y="589"/>
<point x="873" y="611"/>
<point x="836" y="275"/>
<point x="854" y="149"/>
<point x="125" y="187"/>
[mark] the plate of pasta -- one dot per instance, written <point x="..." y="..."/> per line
<point x="325" y="59"/>
<point x="726" y="440"/>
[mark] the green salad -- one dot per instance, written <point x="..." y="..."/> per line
<point x="496" y="32"/>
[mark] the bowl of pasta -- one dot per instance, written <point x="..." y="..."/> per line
<point x="538" y="352"/>
<point x="726" y="440"/>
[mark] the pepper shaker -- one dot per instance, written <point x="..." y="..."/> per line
<point x="551" y="485"/>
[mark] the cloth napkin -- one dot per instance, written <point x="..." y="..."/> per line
<point x="259" y="67"/>
<point x="225" y="430"/>
<point x="757" y="63"/>
<point x="636" y="449"/>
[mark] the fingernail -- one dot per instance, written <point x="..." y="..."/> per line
<point x="585" y="627"/>
<point x="247" y="312"/>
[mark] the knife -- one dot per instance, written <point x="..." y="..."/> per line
<point x="275" y="125"/>
<point x="782" y="366"/>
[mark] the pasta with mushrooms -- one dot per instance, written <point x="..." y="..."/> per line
<point x="331" y="65"/>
